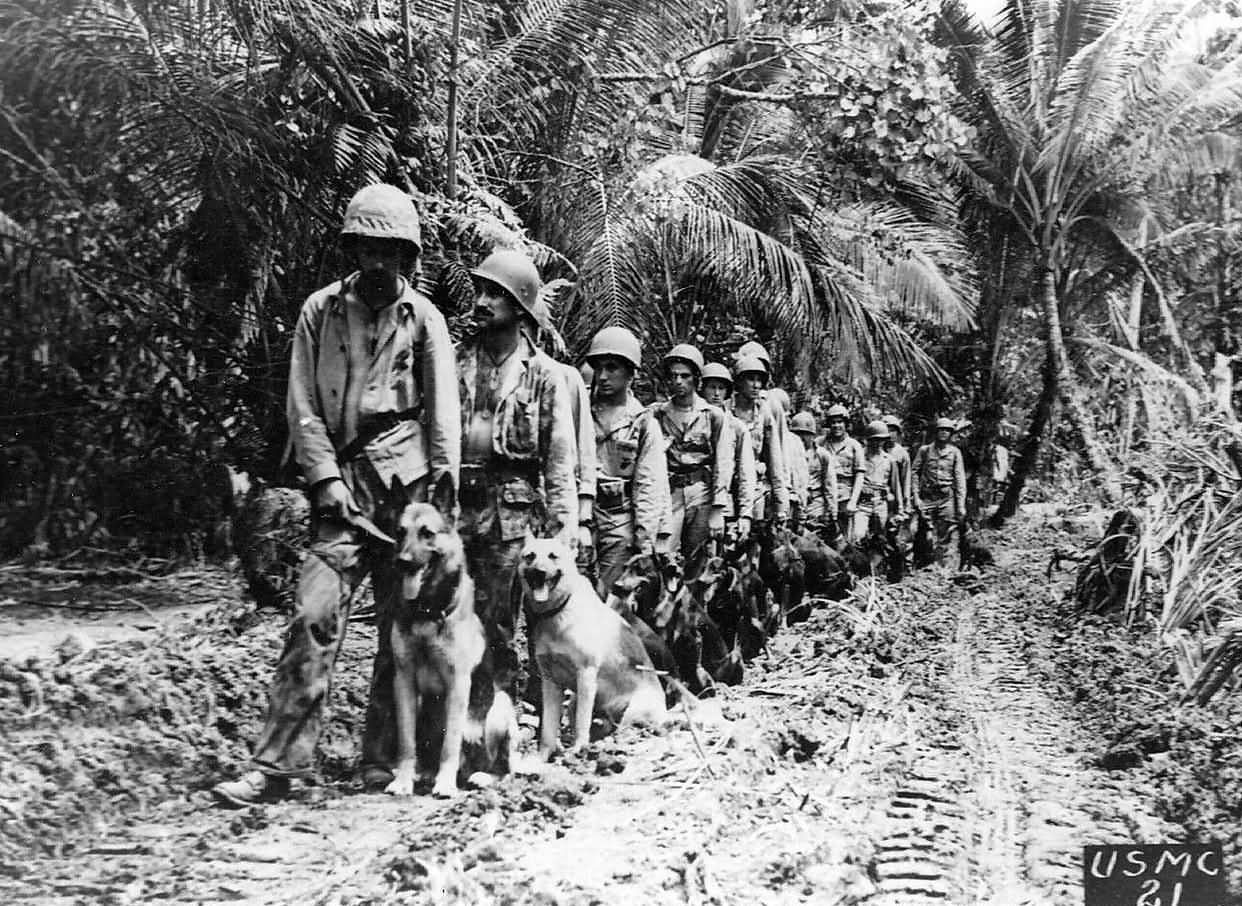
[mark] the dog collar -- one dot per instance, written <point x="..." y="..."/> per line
<point x="538" y="616"/>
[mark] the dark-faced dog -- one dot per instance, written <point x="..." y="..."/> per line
<point x="782" y="568"/>
<point x="755" y="600"/>
<point x="441" y="685"/>
<point x="582" y="645"/>
<point x="826" y="573"/>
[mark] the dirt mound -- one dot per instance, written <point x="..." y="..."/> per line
<point x="96" y="735"/>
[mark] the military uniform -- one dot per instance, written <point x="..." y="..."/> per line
<point x="699" y="443"/>
<point x="745" y="487"/>
<point x="821" y="497"/>
<point x="880" y="496"/>
<point x="939" y="478"/>
<point x="632" y="494"/>
<point x="585" y="467"/>
<point x="372" y="400"/>
<point x="849" y="456"/>
<point x="517" y="474"/>
<point x="766" y="433"/>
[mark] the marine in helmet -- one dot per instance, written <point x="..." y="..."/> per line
<point x="754" y="409"/>
<point x="699" y="443"/>
<point x="373" y="417"/>
<point x="938" y="475"/>
<point x="716" y="387"/>
<point x="632" y="494"/>
<point x="849" y="457"/>
<point x="820" y="508"/>
<point x="517" y="446"/>
<point x="777" y="403"/>
<point x="881" y="491"/>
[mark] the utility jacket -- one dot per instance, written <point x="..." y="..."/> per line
<point x="532" y="424"/>
<point x="940" y="475"/>
<point x="745" y="485"/>
<point x="881" y="481"/>
<point x="632" y="472"/>
<point x="848" y="455"/>
<point x="353" y="369"/>
<point x="704" y="444"/>
<point x="765" y="421"/>
<point x="584" y="439"/>
<point x="821" y="479"/>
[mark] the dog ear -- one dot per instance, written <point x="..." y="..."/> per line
<point x="444" y="495"/>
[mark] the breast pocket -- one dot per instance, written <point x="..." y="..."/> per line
<point x="627" y="456"/>
<point x="520" y="425"/>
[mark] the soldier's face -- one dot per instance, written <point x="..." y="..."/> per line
<point x="612" y="375"/>
<point x="494" y="309"/>
<point x="750" y="383"/>
<point x="379" y="262"/>
<point x="714" y="391"/>
<point x="836" y="428"/>
<point x="681" y="381"/>
<point x="943" y="435"/>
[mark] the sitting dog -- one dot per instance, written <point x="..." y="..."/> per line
<point x="582" y="645"/>
<point x="624" y="599"/>
<point x="443" y="688"/>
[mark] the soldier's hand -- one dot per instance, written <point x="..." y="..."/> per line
<point x="333" y="500"/>
<point x="715" y="522"/>
<point x="743" y="527"/>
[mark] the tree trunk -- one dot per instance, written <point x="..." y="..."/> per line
<point x="1071" y="397"/>
<point x="1028" y="451"/>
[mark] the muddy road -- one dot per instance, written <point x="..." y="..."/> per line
<point x="899" y="748"/>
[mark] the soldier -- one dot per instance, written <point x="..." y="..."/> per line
<point x="700" y="454"/>
<point x="777" y="401"/>
<point x="716" y="387"/>
<point x="372" y="409"/>
<point x="881" y="491"/>
<point x="821" y="471"/>
<point x="939" y="479"/>
<point x="848" y="455"/>
<point x="518" y="450"/>
<point x="900" y="456"/>
<point x="751" y="406"/>
<point x="631" y="489"/>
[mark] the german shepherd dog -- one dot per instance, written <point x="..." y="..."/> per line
<point x="583" y="645"/>
<point x="445" y="702"/>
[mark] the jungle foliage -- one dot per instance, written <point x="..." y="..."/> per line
<point x="912" y="206"/>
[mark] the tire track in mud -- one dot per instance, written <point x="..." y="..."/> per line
<point x="996" y="803"/>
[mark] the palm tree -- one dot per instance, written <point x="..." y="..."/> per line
<point x="724" y="221"/>
<point x="1075" y="104"/>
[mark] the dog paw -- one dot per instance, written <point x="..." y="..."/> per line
<point x="400" y="786"/>
<point x="530" y="766"/>
<point x="444" y="789"/>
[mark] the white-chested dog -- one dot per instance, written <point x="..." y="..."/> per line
<point x="447" y="709"/>
<point x="582" y="644"/>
